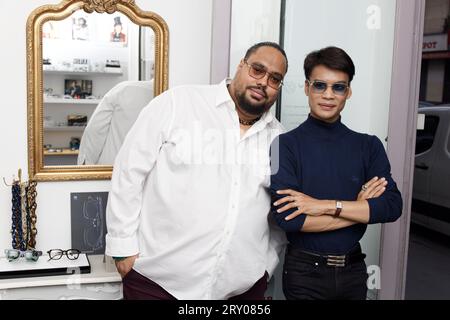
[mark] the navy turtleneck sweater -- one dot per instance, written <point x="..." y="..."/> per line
<point x="330" y="162"/>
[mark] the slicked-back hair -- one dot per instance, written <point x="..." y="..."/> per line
<point x="331" y="57"/>
<point x="274" y="45"/>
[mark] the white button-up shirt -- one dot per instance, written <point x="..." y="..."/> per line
<point x="111" y="121"/>
<point x="190" y="196"/>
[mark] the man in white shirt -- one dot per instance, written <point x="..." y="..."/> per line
<point x="111" y="121"/>
<point x="188" y="210"/>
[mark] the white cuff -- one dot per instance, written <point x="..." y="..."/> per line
<point x="121" y="247"/>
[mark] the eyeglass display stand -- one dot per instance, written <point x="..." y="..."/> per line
<point x="99" y="284"/>
<point x="22" y="268"/>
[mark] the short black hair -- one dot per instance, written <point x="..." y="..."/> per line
<point x="274" y="45"/>
<point x="331" y="57"/>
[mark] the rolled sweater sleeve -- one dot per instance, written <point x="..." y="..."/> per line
<point x="387" y="207"/>
<point x="284" y="175"/>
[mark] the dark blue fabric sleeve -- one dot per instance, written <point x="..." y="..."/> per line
<point x="285" y="170"/>
<point x="387" y="207"/>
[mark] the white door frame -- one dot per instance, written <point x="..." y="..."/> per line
<point x="401" y="141"/>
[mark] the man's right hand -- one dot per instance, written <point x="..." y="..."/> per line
<point x="375" y="188"/>
<point x="124" y="266"/>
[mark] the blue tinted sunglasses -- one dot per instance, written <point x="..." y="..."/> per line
<point x="318" y="86"/>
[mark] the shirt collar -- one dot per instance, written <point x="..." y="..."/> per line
<point x="223" y="97"/>
<point x="268" y="116"/>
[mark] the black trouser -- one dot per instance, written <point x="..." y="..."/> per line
<point x="307" y="276"/>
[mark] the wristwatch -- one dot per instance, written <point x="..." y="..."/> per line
<point x="338" y="208"/>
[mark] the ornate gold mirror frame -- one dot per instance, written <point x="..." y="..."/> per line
<point x="37" y="170"/>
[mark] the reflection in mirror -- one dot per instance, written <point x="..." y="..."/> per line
<point x="98" y="74"/>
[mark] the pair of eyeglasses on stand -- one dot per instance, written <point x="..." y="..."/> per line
<point x="56" y="254"/>
<point x="29" y="255"/>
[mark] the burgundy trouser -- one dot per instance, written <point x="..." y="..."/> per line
<point x="138" y="287"/>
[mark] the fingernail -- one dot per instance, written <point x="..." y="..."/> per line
<point x="278" y="211"/>
<point x="287" y="218"/>
<point x="278" y="192"/>
<point x="275" y="203"/>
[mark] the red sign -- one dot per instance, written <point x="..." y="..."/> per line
<point x="435" y="42"/>
<point x="429" y="45"/>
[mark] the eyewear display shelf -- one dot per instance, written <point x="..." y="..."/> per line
<point x="86" y="279"/>
<point x="58" y="108"/>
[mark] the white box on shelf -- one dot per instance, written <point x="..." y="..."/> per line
<point x="113" y="70"/>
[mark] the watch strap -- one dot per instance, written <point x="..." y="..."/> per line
<point x="337" y="213"/>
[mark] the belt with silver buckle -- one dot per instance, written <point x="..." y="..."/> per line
<point x="335" y="261"/>
<point x="331" y="260"/>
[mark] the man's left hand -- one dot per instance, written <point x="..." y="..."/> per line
<point x="304" y="204"/>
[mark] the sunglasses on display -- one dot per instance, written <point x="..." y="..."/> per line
<point x="257" y="71"/>
<point x="338" y="89"/>
<point x="56" y="254"/>
<point x="29" y="255"/>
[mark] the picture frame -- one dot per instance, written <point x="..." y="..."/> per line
<point x="80" y="28"/>
<point x="77" y="89"/>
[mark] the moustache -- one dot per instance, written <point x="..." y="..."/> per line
<point x="261" y="88"/>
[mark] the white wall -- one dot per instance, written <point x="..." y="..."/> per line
<point x="252" y="21"/>
<point x="189" y="62"/>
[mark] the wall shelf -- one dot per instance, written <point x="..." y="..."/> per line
<point x="91" y="73"/>
<point x="64" y="152"/>
<point x="64" y="128"/>
<point x="71" y="101"/>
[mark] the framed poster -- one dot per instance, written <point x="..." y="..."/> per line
<point x="87" y="211"/>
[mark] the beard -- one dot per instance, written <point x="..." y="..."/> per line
<point x="251" y="108"/>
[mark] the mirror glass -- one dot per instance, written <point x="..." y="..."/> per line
<point x="97" y="75"/>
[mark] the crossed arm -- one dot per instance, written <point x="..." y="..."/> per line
<point x="320" y="213"/>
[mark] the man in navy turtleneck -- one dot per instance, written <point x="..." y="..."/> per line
<point x="318" y="187"/>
